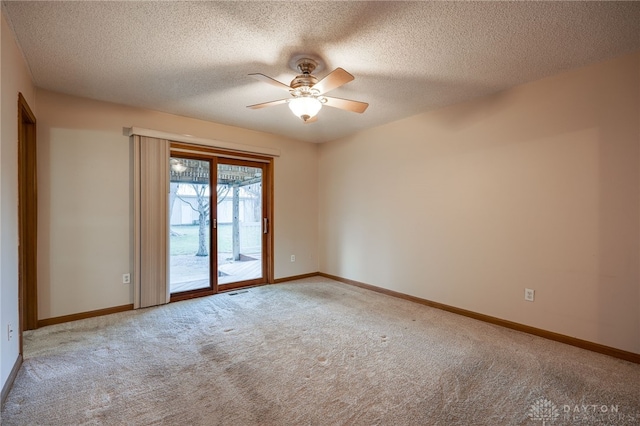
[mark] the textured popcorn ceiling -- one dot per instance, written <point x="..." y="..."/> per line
<point x="192" y="59"/>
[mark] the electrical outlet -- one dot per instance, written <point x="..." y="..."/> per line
<point x="9" y="332"/>
<point x="126" y="278"/>
<point x="293" y="257"/>
<point x="529" y="294"/>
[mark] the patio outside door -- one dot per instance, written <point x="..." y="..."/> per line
<point x="218" y="225"/>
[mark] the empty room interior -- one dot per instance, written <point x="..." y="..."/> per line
<point x="320" y="212"/>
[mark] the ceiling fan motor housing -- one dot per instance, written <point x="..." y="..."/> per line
<point x="306" y="67"/>
<point x="303" y="80"/>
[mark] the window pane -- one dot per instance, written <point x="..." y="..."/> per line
<point x="189" y="240"/>
<point x="239" y="223"/>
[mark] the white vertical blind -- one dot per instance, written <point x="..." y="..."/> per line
<point x="151" y="221"/>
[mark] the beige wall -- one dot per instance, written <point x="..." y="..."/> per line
<point x="85" y="179"/>
<point x="14" y="78"/>
<point x="534" y="187"/>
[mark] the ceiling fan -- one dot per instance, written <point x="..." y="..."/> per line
<point x="307" y="92"/>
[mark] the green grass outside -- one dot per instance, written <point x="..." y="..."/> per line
<point x="187" y="240"/>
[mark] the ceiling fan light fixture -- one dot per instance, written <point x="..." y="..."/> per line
<point x="307" y="92"/>
<point x="305" y="107"/>
<point x="177" y="166"/>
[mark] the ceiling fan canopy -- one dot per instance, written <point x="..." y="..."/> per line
<point x="307" y="92"/>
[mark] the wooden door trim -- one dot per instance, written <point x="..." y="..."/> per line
<point x="268" y="186"/>
<point x="181" y="147"/>
<point x="27" y="218"/>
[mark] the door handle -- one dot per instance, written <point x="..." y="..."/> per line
<point x="266" y="225"/>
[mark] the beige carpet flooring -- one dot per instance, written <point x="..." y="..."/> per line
<point x="311" y="352"/>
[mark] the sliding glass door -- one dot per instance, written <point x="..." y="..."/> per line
<point x="240" y="222"/>
<point x="219" y="224"/>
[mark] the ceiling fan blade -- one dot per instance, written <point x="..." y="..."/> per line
<point x="269" y="80"/>
<point x="267" y="104"/>
<point x="334" y="79"/>
<point x="347" y="104"/>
